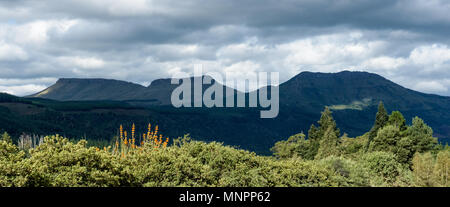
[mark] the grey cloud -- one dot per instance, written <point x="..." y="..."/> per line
<point x="126" y="40"/>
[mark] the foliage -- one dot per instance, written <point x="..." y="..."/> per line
<point x="421" y="136"/>
<point x="386" y="139"/>
<point x="353" y="147"/>
<point x="396" y="119"/>
<point x="328" y="144"/>
<point x="59" y="162"/>
<point x="5" y="137"/>
<point x="399" y="155"/>
<point x="430" y="171"/>
<point x="402" y="140"/>
<point x="327" y="128"/>
<point x="295" y="146"/>
<point x="381" y="119"/>
<point x="384" y="168"/>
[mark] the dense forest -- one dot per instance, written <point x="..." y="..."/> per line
<point x="392" y="153"/>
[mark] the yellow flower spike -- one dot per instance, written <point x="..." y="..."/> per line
<point x="121" y="131"/>
<point x="167" y="141"/>
<point x="97" y="149"/>
<point x="104" y="148"/>
<point x="133" y="129"/>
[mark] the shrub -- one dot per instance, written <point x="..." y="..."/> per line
<point x="383" y="166"/>
<point x="10" y="162"/>
<point x="295" y="146"/>
<point x="58" y="162"/>
<point x="432" y="171"/>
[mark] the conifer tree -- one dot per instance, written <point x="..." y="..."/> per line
<point x="328" y="144"/>
<point x="5" y="137"/>
<point x="396" y="118"/>
<point x="326" y="121"/>
<point x="316" y="134"/>
<point x="386" y="139"/>
<point x="421" y="135"/>
<point x="381" y="120"/>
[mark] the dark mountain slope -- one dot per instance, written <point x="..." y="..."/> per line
<point x="69" y="89"/>
<point x="353" y="97"/>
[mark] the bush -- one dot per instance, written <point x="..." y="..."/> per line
<point x="295" y="146"/>
<point x="383" y="166"/>
<point x="430" y="171"/>
<point x="10" y="162"/>
<point x="58" y="162"/>
<point x="349" y="172"/>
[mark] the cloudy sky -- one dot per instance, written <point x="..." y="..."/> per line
<point x="406" y="41"/>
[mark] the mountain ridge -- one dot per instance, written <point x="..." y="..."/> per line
<point x="352" y="96"/>
<point x="166" y="81"/>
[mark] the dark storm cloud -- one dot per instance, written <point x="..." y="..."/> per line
<point x="124" y="39"/>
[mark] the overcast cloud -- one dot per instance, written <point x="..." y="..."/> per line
<point x="407" y="41"/>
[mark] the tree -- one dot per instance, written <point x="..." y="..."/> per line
<point x="423" y="167"/>
<point x="382" y="165"/>
<point x="442" y="169"/>
<point x="421" y="136"/>
<point x="5" y="137"/>
<point x="326" y="121"/>
<point x="396" y="119"/>
<point x="386" y="139"/>
<point x="313" y="133"/>
<point x="316" y="134"/>
<point x="381" y="120"/>
<point x="328" y="144"/>
<point x="404" y="150"/>
<point x="295" y="146"/>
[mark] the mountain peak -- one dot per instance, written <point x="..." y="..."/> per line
<point x="344" y="73"/>
<point x="167" y="81"/>
<point x="67" y="89"/>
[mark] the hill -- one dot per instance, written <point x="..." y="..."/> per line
<point x="353" y="97"/>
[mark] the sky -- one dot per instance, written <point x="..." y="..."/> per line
<point x="406" y="41"/>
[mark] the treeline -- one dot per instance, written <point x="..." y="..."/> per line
<point x="390" y="154"/>
<point x="388" y="134"/>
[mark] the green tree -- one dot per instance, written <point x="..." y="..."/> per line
<point x="295" y="146"/>
<point x="421" y="136"/>
<point x="423" y="167"/>
<point x="442" y="169"/>
<point x="404" y="150"/>
<point x="313" y="133"/>
<point x="6" y="138"/>
<point x="396" y="119"/>
<point x="381" y="120"/>
<point x="328" y="144"/>
<point x="386" y="139"/>
<point x="326" y="122"/>
<point x="316" y="134"/>
<point x="382" y="165"/>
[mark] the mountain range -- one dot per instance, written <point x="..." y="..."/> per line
<point x="95" y="108"/>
